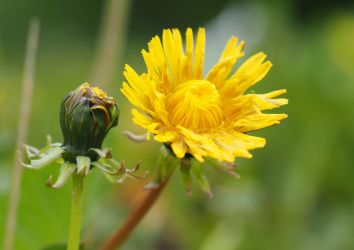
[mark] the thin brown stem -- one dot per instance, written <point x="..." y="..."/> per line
<point x="134" y="218"/>
<point x="27" y="89"/>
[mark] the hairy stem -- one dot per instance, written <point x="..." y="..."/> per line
<point x="75" y="215"/>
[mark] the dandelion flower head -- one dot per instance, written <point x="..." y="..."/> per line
<point x="202" y="116"/>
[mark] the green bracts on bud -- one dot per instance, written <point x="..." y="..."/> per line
<point x="86" y="116"/>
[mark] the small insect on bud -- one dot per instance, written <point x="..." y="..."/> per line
<point x="86" y="116"/>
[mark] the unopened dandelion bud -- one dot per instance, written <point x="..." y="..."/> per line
<point x="86" y="116"/>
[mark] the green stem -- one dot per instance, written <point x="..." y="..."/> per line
<point x="75" y="216"/>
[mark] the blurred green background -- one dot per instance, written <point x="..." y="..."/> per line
<point x="296" y="193"/>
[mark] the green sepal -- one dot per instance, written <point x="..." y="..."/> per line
<point x="202" y="180"/>
<point x="114" y="110"/>
<point x="66" y="170"/>
<point x="45" y="159"/>
<point x="226" y="167"/>
<point x="50" y="142"/>
<point x="114" y="178"/>
<point x="116" y="172"/>
<point x="166" y="164"/>
<point x="31" y="151"/>
<point x="107" y="167"/>
<point x="186" y="175"/>
<point x="103" y="153"/>
<point x="83" y="165"/>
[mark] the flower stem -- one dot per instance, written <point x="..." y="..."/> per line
<point x="75" y="216"/>
<point x="134" y="218"/>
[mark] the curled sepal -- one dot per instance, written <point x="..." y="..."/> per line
<point x="103" y="153"/>
<point x="44" y="157"/>
<point x="227" y="167"/>
<point x="83" y="165"/>
<point x="66" y="170"/>
<point x="186" y="175"/>
<point x="49" y="139"/>
<point x="135" y="137"/>
<point x="202" y="180"/>
<point x="124" y="172"/>
<point x="105" y="167"/>
<point x="31" y="151"/>
<point x="116" y="172"/>
<point x="50" y="142"/>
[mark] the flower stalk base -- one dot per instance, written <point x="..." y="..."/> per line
<point x="75" y="215"/>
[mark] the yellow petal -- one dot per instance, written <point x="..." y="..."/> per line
<point x="134" y="80"/>
<point x="239" y="107"/>
<point x="255" y="122"/>
<point x="159" y="71"/>
<point x="157" y="52"/>
<point x="135" y="98"/>
<point x="230" y="146"/>
<point x="151" y="65"/>
<point x="249" y="141"/>
<point x="232" y="52"/>
<point x="144" y="121"/>
<point x="165" y="136"/>
<point x="249" y="73"/>
<point x="265" y="101"/>
<point x="179" y="148"/>
<point x="220" y="71"/>
<point x="173" y="52"/>
<point x="230" y="48"/>
<point x="199" y="54"/>
<point x="188" y="66"/>
<point x="275" y="93"/>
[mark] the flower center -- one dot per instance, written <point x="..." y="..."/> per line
<point x="195" y="105"/>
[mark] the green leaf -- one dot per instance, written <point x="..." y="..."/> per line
<point x="202" y="180"/>
<point x="186" y="175"/>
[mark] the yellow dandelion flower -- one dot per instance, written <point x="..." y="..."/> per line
<point x="203" y="116"/>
